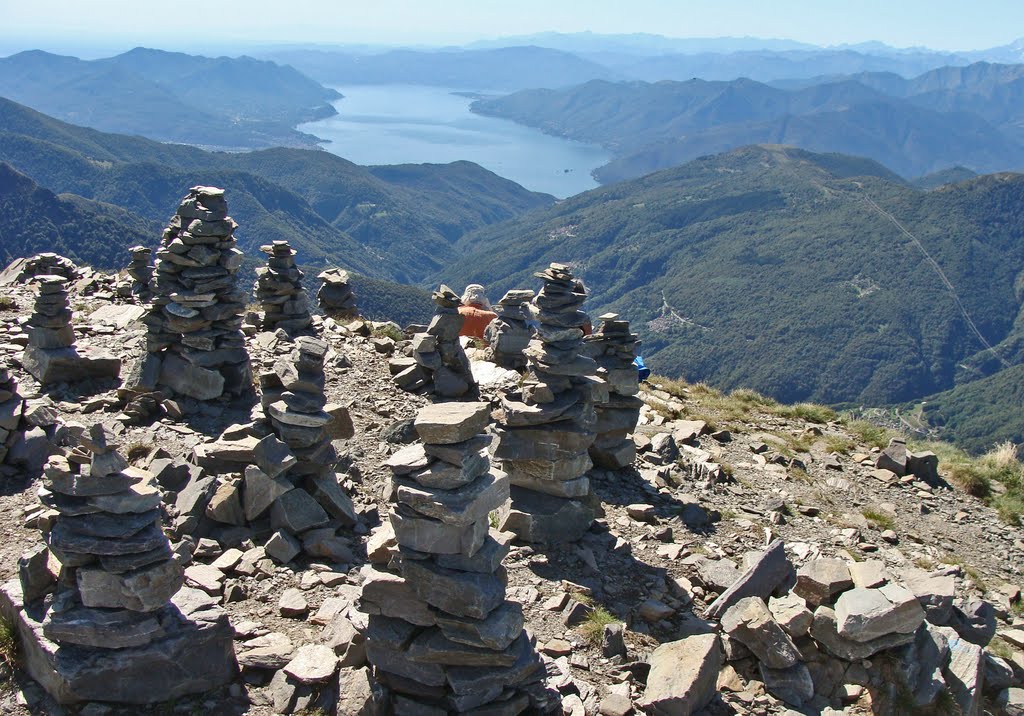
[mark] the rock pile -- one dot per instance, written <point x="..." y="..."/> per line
<point x="294" y="404"/>
<point x="195" y="340"/>
<point x="614" y="347"/>
<point x="545" y="431"/>
<point x="509" y="334"/>
<point x="51" y="356"/>
<point x="335" y="296"/>
<point x="279" y="290"/>
<point x="439" y="364"/>
<point x="820" y="641"/>
<point x="140" y="269"/>
<point x="441" y="635"/>
<point x="900" y="461"/>
<point x="112" y="631"/>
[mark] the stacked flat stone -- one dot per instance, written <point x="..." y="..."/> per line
<point x="441" y="635"/>
<point x="335" y="296"/>
<point x="294" y="400"/>
<point x="112" y="616"/>
<point x="279" y="290"/>
<point x="50" y="324"/>
<point x="49" y="264"/>
<point x="195" y="324"/>
<point x="51" y="356"/>
<point x="614" y="348"/>
<point x="509" y="334"/>
<point x="545" y="430"/>
<point x="140" y="269"/>
<point x="12" y="408"/>
<point x="441" y="364"/>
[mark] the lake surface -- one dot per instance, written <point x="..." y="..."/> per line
<point x="401" y="124"/>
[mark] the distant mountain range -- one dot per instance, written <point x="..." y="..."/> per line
<point x="173" y="97"/>
<point x="394" y="222"/>
<point x="970" y="116"/>
<point x="555" y="60"/>
<point x="785" y="271"/>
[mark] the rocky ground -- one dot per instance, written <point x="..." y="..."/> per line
<point x="689" y="521"/>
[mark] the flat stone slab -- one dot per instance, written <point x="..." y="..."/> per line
<point x="69" y="365"/>
<point x="446" y="423"/>
<point x="194" y="655"/>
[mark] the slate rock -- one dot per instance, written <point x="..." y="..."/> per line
<point x="683" y="676"/>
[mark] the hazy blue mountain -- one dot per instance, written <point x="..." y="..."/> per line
<point x="971" y="116"/>
<point x="169" y="96"/>
<point x="770" y="268"/>
<point x="505" y="68"/>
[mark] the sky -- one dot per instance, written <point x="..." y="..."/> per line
<point x="938" y="24"/>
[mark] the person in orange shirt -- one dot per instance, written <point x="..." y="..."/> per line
<point x="476" y="309"/>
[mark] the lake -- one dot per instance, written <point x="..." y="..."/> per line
<point x="402" y="124"/>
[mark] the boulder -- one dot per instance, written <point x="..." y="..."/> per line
<point x="683" y="676"/>
<point x="822" y="579"/>
<point x="759" y="580"/>
<point x="751" y="623"/>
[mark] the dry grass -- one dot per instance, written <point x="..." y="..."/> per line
<point x="593" y="628"/>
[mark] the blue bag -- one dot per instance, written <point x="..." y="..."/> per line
<point x="644" y="371"/>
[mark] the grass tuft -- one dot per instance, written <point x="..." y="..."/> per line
<point x="879" y="520"/>
<point x="593" y="628"/>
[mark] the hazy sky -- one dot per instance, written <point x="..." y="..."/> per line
<point x="940" y="24"/>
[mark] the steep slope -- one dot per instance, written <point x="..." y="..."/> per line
<point x="223" y="102"/>
<point x="978" y="414"/>
<point x="397" y="225"/>
<point x="772" y="268"/>
<point x="33" y="219"/>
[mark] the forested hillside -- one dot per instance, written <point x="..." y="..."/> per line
<point x="786" y="271"/>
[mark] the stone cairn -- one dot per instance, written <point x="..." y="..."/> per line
<point x="546" y="429"/>
<point x="440" y="364"/>
<point x="140" y="270"/>
<point x="111" y="631"/>
<point x="12" y="408"/>
<point x="49" y="264"/>
<point x="279" y="290"/>
<point x="195" y="341"/>
<point x="441" y="636"/>
<point x="614" y="347"/>
<point x="51" y="356"/>
<point x="335" y="296"/>
<point x="293" y="402"/>
<point x="509" y="334"/>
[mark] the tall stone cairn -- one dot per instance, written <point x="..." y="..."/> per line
<point x="120" y="637"/>
<point x="196" y="317"/>
<point x="441" y="365"/>
<point x="140" y="270"/>
<point x="545" y="430"/>
<point x="614" y="347"/>
<point x="51" y="356"/>
<point x="279" y="290"/>
<point x="509" y="334"/>
<point x="441" y="635"/>
<point x="335" y="296"/>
